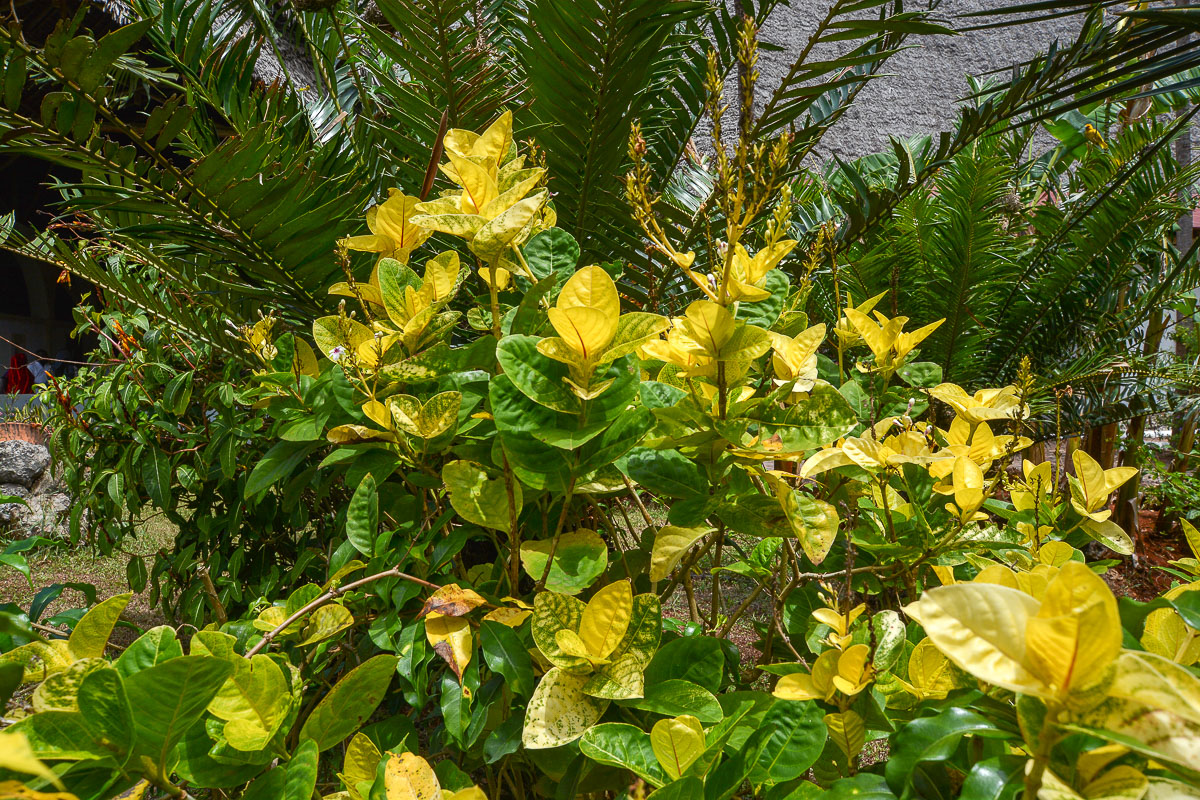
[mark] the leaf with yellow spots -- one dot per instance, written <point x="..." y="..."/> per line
<point x="325" y="622"/>
<point x="407" y="776"/>
<point x="426" y="420"/>
<point x="553" y="612"/>
<point x="559" y="712"/>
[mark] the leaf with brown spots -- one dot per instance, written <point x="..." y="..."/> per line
<point x="452" y="601"/>
<point x="409" y="777"/>
<point x="451" y="639"/>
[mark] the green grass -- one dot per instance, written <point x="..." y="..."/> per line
<point x="80" y="564"/>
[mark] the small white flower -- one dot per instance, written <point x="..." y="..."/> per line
<point x="336" y="353"/>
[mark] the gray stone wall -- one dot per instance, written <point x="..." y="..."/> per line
<point x="924" y="84"/>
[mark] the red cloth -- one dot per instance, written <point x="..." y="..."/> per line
<point x="18" y="379"/>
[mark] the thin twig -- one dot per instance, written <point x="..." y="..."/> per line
<point x="11" y="343"/>
<point x="683" y="569"/>
<point x="612" y="531"/>
<point x="741" y="609"/>
<point x="641" y="506"/>
<point x="48" y="629"/>
<point x="333" y="594"/>
<point x="562" y="519"/>
<point x="210" y="589"/>
<point x="689" y="590"/>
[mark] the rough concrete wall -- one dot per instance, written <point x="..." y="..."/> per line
<point x="924" y="84"/>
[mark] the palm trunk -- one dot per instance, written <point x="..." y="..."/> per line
<point x="1183" y="426"/>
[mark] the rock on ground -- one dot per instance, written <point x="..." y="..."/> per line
<point x="22" y="463"/>
<point x="25" y="473"/>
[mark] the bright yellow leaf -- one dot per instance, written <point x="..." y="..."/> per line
<point x="984" y="405"/>
<point x="451" y="639"/>
<point x="452" y="600"/>
<point x="709" y="325"/>
<point x="407" y="776"/>
<point x="606" y="618"/>
<point x="677" y="743"/>
<point x="17" y="755"/>
<point x="848" y="732"/>
<point x="1089" y="493"/>
<point x="670" y="543"/>
<point x="1076" y="633"/>
<point x="981" y="628"/>
<point x="359" y="765"/>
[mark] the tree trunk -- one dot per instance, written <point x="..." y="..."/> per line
<point x="1128" y="511"/>
<point x="1183" y="426"/>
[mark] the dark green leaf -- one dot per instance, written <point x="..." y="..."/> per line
<point x="627" y="746"/>
<point x="697" y="659"/>
<point x="504" y="653"/>
<point x="169" y="698"/>
<point x="666" y="472"/>
<point x="362" y="517"/>
<point x="106" y="711"/>
<point x="301" y="772"/>
<point x="673" y="698"/>
<point x="156" y="476"/>
<point x="276" y="464"/>
<point x="796" y="738"/>
<point x="932" y="739"/>
<point x="539" y="378"/>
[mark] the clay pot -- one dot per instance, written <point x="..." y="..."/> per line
<point x="24" y="432"/>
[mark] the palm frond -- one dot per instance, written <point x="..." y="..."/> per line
<point x="250" y="212"/>
<point x="589" y="64"/>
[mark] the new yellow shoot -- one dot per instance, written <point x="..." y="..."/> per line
<point x="795" y="359"/>
<point x="886" y="338"/>
<point x="393" y="233"/>
<point x="984" y="405"/>
<point x="1094" y="484"/>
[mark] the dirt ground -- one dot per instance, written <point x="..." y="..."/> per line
<point x="106" y="573"/>
<point x="1145" y="580"/>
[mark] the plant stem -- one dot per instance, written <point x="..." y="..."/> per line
<point x="716" y="577"/>
<point x="684" y="568"/>
<point x="494" y="298"/>
<point x="562" y="519"/>
<point x="368" y="104"/>
<point x="514" y="531"/>
<point x="612" y="532"/>
<point x="690" y="591"/>
<point x="638" y="502"/>
<point x="1047" y="738"/>
<point x="736" y="614"/>
<point x="211" y="590"/>
<point x="333" y="594"/>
